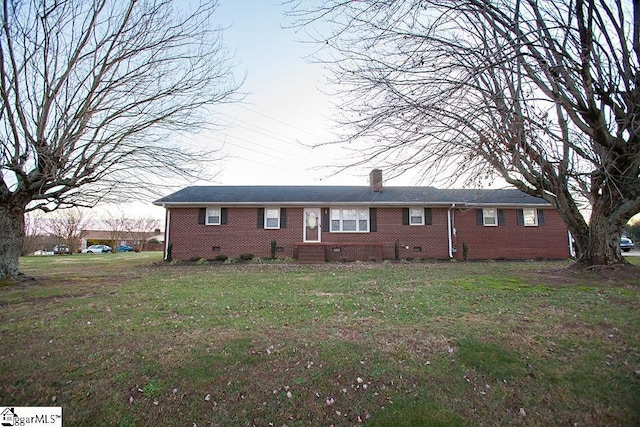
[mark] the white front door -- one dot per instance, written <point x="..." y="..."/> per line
<point x="312" y="225"/>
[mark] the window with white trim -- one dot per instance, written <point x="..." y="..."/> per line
<point x="350" y="220"/>
<point x="530" y="217"/>
<point x="489" y="217"/>
<point x="272" y="218"/>
<point x="416" y="216"/>
<point x="213" y="216"/>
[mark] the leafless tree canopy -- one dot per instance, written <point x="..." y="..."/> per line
<point x="139" y="230"/>
<point x="121" y="228"/>
<point x="92" y="96"/>
<point x="542" y="93"/>
<point x="33" y="231"/>
<point x="92" y="93"/>
<point x="68" y="227"/>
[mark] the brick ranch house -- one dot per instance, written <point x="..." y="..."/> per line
<point x="346" y="223"/>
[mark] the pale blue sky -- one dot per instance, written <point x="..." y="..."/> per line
<point x="286" y="107"/>
<point x="264" y="137"/>
<point x="283" y="107"/>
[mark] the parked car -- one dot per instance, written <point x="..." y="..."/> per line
<point x="61" y="250"/>
<point x="124" y="248"/>
<point x="626" y="244"/>
<point x="96" y="249"/>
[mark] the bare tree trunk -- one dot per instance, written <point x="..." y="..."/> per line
<point x="600" y="246"/>
<point x="11" y="238"/>
<point x="604" y="245"/>
<point x="605" y="229"/>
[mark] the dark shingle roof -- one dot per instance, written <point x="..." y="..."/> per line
<point x="332" y="195"/>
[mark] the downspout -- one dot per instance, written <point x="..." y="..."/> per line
<point x="166" y="233"/>
<point x="572" y="251"/>
<point x="450" y="229"/>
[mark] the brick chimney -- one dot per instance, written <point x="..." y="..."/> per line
<point x="375" y="180"/>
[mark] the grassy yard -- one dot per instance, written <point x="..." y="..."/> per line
<point x="126" y="340"/>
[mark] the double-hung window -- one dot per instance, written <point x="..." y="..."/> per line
<point x="350" y="220"/>
<point x="213" y="216"/>
<point x="489" y="217"/>
<point x="416" y="216"/>
<point x="272" y="218"/>
<point x="530" y="217"/>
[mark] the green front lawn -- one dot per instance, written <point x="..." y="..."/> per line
<point x="123" y="339"/>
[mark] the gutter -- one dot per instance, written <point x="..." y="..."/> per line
<point x="371" y="204"/>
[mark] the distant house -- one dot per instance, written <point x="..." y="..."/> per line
<point x="157" y="236"/>
<point x="344" y="223"/>
<point x="98" y="237"/>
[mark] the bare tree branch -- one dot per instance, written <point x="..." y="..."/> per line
<point x="68" y="226"/>
<point x="542" y="93"/>
<point x="94" y="96"/>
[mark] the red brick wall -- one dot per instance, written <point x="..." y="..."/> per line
<point x="511" y="241"/>
<point x="241" y="235"/>
<point x="354" y="252"/>
<point x="430" y="239"/>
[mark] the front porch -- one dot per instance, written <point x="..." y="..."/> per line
<point x="337" y="252"/>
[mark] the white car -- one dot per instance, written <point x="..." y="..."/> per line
<point x="97" y="249"/>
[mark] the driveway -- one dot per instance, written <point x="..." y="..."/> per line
<point x="632" y="252"/>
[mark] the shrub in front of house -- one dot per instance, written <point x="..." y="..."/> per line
<point x="246" y="257"/>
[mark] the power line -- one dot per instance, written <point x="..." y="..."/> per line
<point x="268" y="133"/>
<point x="232" y="121"/>
<point x="270" y="149"/>
<point x="275" y="120"/>
<point x="253" y="150"/>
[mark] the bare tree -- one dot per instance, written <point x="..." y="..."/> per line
<point x="68" y="226"/>
<point x="140" y="229"/>
<point x="116" y="228"/>
<point x="542" y="93"/>
<point x="92" y="94"/>
<point x="33" y="234"/>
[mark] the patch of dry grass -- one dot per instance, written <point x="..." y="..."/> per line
<point x="337" y="344"/>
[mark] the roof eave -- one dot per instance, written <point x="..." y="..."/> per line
<point x="343" y="203"/>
